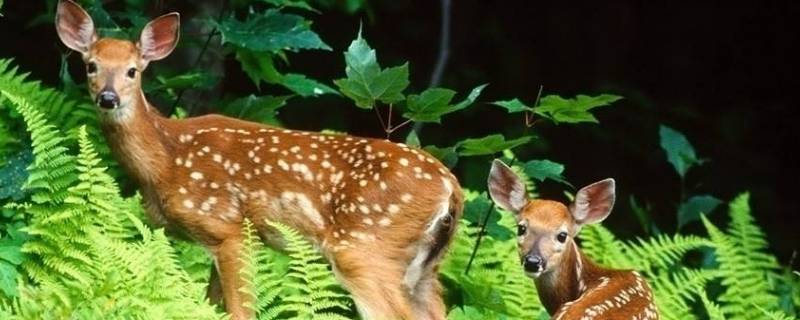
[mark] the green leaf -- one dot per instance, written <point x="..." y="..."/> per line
<point x="412" y="139"/>
<point x="513" y="105"/>
<point x="473" y="95"/>
<point x="300" y="4"/>
<point x="575" y="110"/>
<point x="366" y="82"/>
<point x="304" y="86"/>
<point x="490" y="144"/>
<point x="270" y="31"/>
<point x="11" y="252"/>
<point x="8" y="279"/>
<point x="195" y="80"/>
<point x="475" y="211"/>
<point x="692" y="209"/>
<point x="262" y="109"/>
<point x="545" y="169"/>
<point x="258" y="66"/>
<point x="432" y="104"/>
<point x="448" y="155"/>
<point x="680" y="152"/>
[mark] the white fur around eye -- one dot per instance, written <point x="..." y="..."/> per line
<point x="559" y="246"/>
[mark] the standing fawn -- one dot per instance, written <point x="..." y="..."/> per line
<point x="381" y="213"/>
<point x="569" y="284"/>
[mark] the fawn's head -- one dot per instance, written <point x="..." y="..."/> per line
<point x="545" y="228"/>
<point x="114" y="66"/>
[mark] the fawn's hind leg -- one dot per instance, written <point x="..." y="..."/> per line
<point x="376" y="285"/>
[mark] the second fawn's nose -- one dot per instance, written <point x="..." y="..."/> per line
<point x="107" y="99"/>
<point x="533" y="263"/>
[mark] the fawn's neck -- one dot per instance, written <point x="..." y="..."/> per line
<point x="137" y="139"/>
<point x="568" y="281"/>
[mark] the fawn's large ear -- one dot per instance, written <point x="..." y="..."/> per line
<point x="594" y="202"/>
<point x="506" y="189"/>
<point x="74" y="26"/>
<point x="160" y="36"/>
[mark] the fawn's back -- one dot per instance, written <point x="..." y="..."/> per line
<point x="335" y="188"/>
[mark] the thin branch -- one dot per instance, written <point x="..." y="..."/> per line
<point x="480" y="237"/>
<point x="529" y="121"/>
<point x="444" y="45"/>
<point x="483" y="229"/>
<point x="444" y="53"/>
<point x="393" y="129"/>
<point x="380" y="118"/>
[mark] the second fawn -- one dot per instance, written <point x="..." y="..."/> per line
<point x="570" y="285"/>
<point x="382" y="213"/>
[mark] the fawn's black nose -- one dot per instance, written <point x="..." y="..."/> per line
<point x="107" y="99"/>
<point x="533" y="263"/>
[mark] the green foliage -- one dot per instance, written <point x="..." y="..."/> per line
<point x="366" y="82"/>
<point x="545" y="169"/>
<point x="513" y="105"/>
<point x="11" y="256"/>
<point x="561" y="110"/>
<point x="83" y="257"/>
<point x="680" y="152"/>
<point x="692" y="209"/>
<point x="298" y="285"/>
<point x="262" y="109"/>
<point x="574" y="110"/>
<point x="490" y="144"/>
<point x="271" y="31"/>
<point x="745" y="267"/>
<point x="432" y="104"/>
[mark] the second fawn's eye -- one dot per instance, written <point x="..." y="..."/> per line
<point x="521" y="229"/>
<point x="561" y="237"/>
<point x="91" y="67"/>
<point x="132" y="73"/>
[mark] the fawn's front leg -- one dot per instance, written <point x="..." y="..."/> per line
<point x="226" y="256"/>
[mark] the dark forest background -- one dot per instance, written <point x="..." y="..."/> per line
<point x="721" y="73"/>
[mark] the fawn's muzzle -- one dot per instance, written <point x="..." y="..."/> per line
<point x="107" y="99"/>
<point x="533" y="263"/>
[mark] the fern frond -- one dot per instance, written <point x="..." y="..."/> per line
<point x="662" y="251"/>
<point x="309" y="290"/>
<point x="673" y="292"/>
<point x="743" y="265"/>
<point x="603" y="247"/>
<point x="63" y="112"/>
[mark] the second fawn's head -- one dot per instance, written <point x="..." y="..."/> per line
<point x="114" y="66"/>
<point x="545" y="228"/>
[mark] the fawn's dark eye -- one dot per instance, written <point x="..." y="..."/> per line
<point x="132" y="73"/>
<point x="91" y="68"/>
<point x="521" y="229"/>
<point x="561" y="237"/>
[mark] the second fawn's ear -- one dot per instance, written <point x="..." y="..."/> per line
<point x="160" y="36"/>
<point x="506" y="189"/>
<point x="74" y="26"/>
<point x="593" y="203"/>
